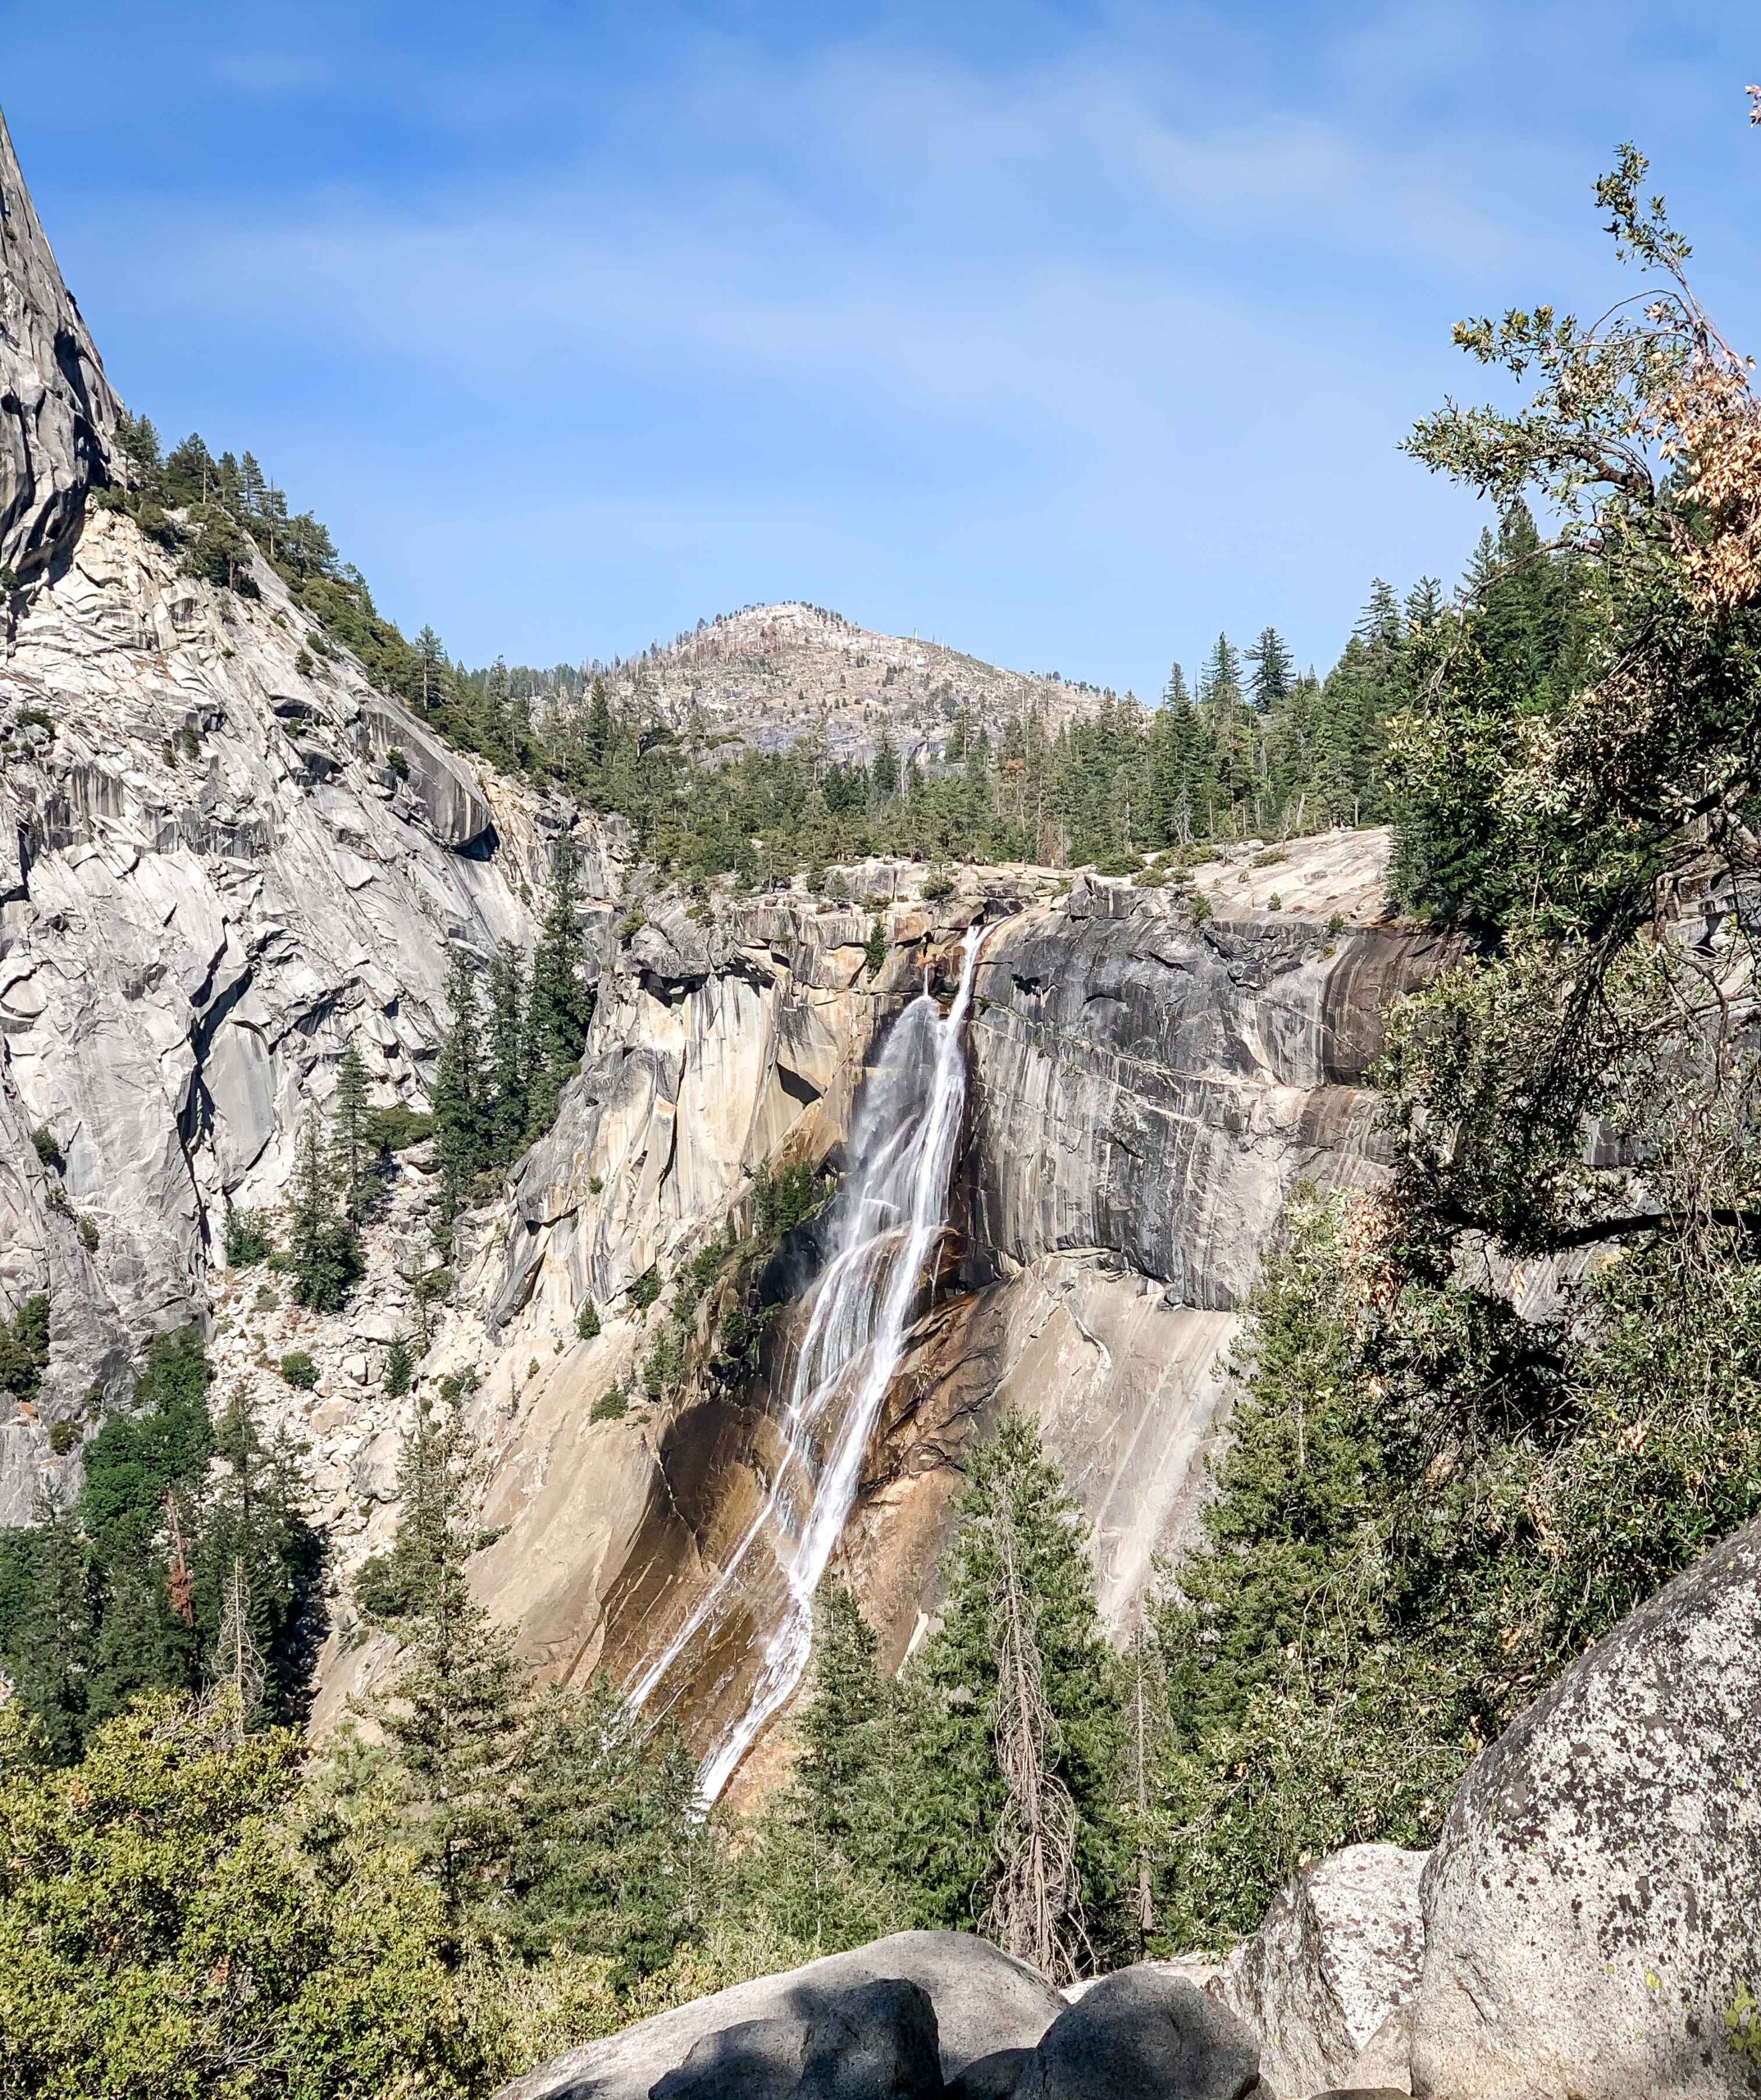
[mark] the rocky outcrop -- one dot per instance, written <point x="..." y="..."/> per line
<point x="1122" y="1049"/>
<point x="1336" y="1959"/>
<point x="876" y="2041"/>
<point x="57" y="410"/>
<point x="770" y="676"/>
<point x="984" y="2000"/>
<point x="1143" y="2031"/>
<point x="1150" y="1086"/>
<point x="214" y="882"/>
<point x="1593" y="1906"/>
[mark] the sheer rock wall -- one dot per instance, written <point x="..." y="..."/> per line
<point x="57" y="410"/>
<point x="211" y="880"/>
<point x="1144" y="1091"/>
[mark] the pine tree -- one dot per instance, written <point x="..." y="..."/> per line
<point x="51" y="1652"/>
<point x="352" y="1150"/>
<point x="1146" y="1733"/>
<point x="560" y="1006"/>
<point x="322" y="1244"/>
<point x="609" y="1856"/>
<point x="822" y="1864"/>
<point x="883" y="770"/>
<point x="461" y="1117"/>
<point x="430" y="672"/>
<point x="957" y="1798"/>
<point x="252" y="1542"/>
<point x="1035" y="1910"/>
<point x="597" y="736"/>
<point x="839" y="1732"/>
<point x="1274" y="671"/>
<point x="452" y="1716"/>
<point x="510" y="1104"/>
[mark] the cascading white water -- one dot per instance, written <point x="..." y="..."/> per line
<point x="887" y="1216"/>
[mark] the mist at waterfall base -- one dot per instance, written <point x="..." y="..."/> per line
<point x="890" y="1210"/>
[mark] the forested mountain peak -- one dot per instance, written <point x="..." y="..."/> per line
<point x="767" y="677"/>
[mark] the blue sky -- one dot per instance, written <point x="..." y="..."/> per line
<point x="1068" y="334"/>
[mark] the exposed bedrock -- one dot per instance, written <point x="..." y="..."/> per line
<point x="1593" y="1906"/>
<point x="1151" y="1088"/>
<point x="1144" y="1091"/>
<point x="57" y="410"/>
<point x="197" y="916"/>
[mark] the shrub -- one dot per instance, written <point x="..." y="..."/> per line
<point x="62" y="1438"/>
<point x="630" y="926"/>
<point x="396" y="764"/>
<point x="611" y="1406"/>
<point x="587" y="1320"/>
<point x="168" y="1932"/>
<point x="247" y="1238"/>
<point x="300" y="1370"/>
<point x="89" y="1234"/>
<point x="396" y="1128"/>
<point x="1200" y="908"/>
<point x="42" y="1139"/>
<point x="937" y="884"/>
<point x="874" y="949"/>
<point x="645" y="1290"/>
<point x="1119" y="864"/>
<point x="24" y="1348"/>
<point x="784" y="1199"/>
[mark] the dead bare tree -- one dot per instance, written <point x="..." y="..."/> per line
<point x="1035" y="1911"/>
<point x="238" y="1665"/>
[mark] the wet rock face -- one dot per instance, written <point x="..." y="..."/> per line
<point x="1151" y="1086"/>
<point x="1593" y="1906"/>
<point x="57" y="409"/>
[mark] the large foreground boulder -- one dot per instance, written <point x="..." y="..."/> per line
<point x="877" y="2042"/>
<point x="1593" y="1907"/>
<point x="1338" y="1955"/>
<point x="984" y="2000"/>
<point x="1141" y="2032"/>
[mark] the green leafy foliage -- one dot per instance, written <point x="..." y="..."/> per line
<point x="248" y="1239"/>
<point x="500" y="1072"/>
<point x="25" y="1348"/>
<point x="162" y="1929"/>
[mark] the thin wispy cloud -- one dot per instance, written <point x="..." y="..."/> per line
<point x="1072" y="334"/>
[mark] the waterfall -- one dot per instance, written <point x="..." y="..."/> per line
<point x="886" y="1217"/>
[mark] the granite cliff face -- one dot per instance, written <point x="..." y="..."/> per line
<point x="1144" y="1089"/>
<point x="223" y="857"/>
<point x="57" y="409"/>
